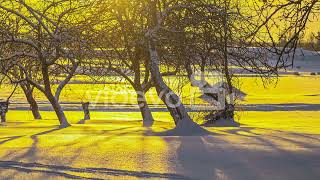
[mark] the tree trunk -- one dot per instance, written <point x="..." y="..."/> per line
<point x="170" y="99"/>
<point x="229" y="107"/>
<point x="4" y="107"/>
<point x="144" y="109"/>
<point x="32" y="102"/>
<point x="3" y="117"/>
<point x="58" y="109"/>
<point x="85" y="107"/>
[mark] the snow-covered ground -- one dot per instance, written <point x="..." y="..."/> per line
<point x="268" y="145"/>
<point x="279" y="138"/>
<point x="306" y="61"/>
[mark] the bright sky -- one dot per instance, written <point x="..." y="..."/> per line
<point x="313" y="27"/>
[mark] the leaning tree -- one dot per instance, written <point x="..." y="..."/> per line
<point x="157" y="13"/>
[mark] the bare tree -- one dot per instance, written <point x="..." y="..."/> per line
<point x="158" y="12"/>
<point x="123" y="50"/>
<point x="133" y="50"/>
<point x="16" y="75"/>
<point x="226" y="34"/>
<point x="51" y="37"/>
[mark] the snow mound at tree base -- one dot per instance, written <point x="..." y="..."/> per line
<point x="148" y="123"/>
<point x="186" y="127"/>
<point x="64" y="125"/>
<point x="222" y="123"/>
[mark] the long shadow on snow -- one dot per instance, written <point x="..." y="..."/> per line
<point x="61" y="171"/>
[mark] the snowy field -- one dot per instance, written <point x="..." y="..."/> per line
<point x="269" y="145"/>
<point x="279" y="138"/>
